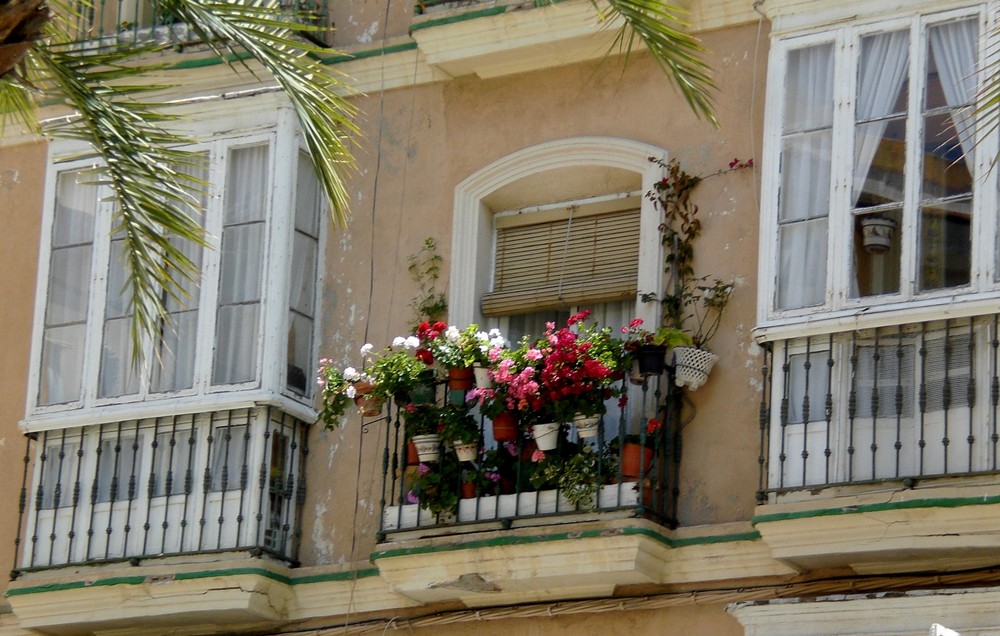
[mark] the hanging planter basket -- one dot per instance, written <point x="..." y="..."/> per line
<point x="428" y="447"/>
<point x="692" y="366"/>
<point x="546" y="435"/>
<point x="586" y="426"/>
<point x="876" y="234"/>
<point x="652" y="359"/>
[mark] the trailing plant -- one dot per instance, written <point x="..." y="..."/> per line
<point x="429" y="304"/>
<point x="691" y="304"/>
<point x="577" y="476"/>
<point x="437" y="487"/>
<point x="458" y="425"/>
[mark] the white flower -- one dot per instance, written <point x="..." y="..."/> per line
<point x="412" y="342"/>
<point x="367" y="348"/>
<point x="351" y="374"/>
<point x="398" y="341"/>
<point x="452" y="334"/>
<point x="494" y="333"/>
<point x="350" y="391"/>
<point x="498" y="341"/>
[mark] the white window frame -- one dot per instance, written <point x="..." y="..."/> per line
<point x="838" y="309"/>
<point x="265" y="119"/>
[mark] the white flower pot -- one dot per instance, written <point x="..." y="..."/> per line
<point x="546" y="435"/>
<point x="466" y="452"/>
<point x="586" y="426"/>
<point x="428" y="447"/>
<point x="876" y="233"/>
<point x="692" y="366"/>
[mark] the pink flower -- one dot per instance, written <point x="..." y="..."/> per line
<point x="424" y="469"/>
<point x="511" y="449"/>
<point x="537" y="456"/>
<point x="533" y="354"/>
<point x="412" y="498"/>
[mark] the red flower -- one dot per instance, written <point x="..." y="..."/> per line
<point x="653" y="426"/>
<point x="425" y="356"/>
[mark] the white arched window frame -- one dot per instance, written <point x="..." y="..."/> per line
<point x="472" y="247"/>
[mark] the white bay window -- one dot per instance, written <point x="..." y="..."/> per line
<point x="880" y="193"/>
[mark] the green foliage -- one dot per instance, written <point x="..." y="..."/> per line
<point x="397" y="373"/>
<point x="422" y="419"/>
<point x="425" y="268"/>
<point x="140" y="161"/>
<point x="458" y="425"/>
<point x="437" y="486"/>
<point x="577" y="476"/>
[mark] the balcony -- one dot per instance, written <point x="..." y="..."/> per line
<point x="120" y="21"/>
<point x="164" y="487"/>
<point x="879" y="447"/>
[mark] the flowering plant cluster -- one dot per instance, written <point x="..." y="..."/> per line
<point x="636" y="336"/>
<point x="453" y="348"/>
<point x="340" y="386"/>
<point x="564" y="373"/>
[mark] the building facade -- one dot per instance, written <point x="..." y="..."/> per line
<point x="837" y="474"/>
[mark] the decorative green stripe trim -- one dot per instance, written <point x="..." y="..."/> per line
<point x="350" y="575"/>
<point x="879" y="507"/>
<point x="202" y="62"/>
<point x="203" y="574"/>
<point x="462" y="17"/>
<point x="564" y="536"/>
<point x="360" y="55"/>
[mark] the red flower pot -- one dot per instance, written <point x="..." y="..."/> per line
<point x="461" y="379"/>
<point x="505" y="427"/>
<point x="412" y="459"/>
<point x="636" y="458"/>
<point x="468" y="490"/>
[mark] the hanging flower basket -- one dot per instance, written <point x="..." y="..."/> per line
<point x="466" y="452"/>
<point x="428" y="447"/>
<point x="505" y="427"/>
<point x="461" y="379"/>
<point x="586" y="426"/>
<point x="692" y="366"/>
<point x="651" y="359"/>
<point x="369" y="405"/>
<point x="546" y="435"/>
<point x="876" y="234"/>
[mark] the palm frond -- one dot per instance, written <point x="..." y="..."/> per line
<point x="141" y="163"/>
<point x="260" y="28"/>
<point x="679" y="54"/>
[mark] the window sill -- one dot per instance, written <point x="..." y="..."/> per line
<point x="822" y="322"/>
<point x="60" y="419"/>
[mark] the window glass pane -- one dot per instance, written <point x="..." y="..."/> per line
<point x="879" y="162"/>
<point x="117" y="372"/>
<point x="308" y="198"/>
<point x="175" y="368"/>
<point x="945" y="239"/>
<point x="809" y="85"/>
<point x="802" y="257"/>
<point x="236" y="344"/>
<point x="300" y="332"/>
<point x="246" y="184"/>
<point x="172" y="457"/>
<point x="59" y="472"/>
<point x="242" y="263"/>
<point x="76" y="205"/>
<point x="69" y="285"/>
<point x="946" y="171"/>
<point x="878" y="242"/>
<point x="62" y="364"/>
<point x="805" y="176"/>
<point x="814" y="381"/>
<point x="228" y="457"/>
<point x="302" y="287"/>
<point x="119" y="468"/>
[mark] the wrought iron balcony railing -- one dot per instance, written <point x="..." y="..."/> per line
<point x="115" y="21"/>
<point x="901" y="403"/>
<point x="635" y="473"/>
<point x="228" y="480"/>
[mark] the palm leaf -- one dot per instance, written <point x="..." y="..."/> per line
<point x="679" y="54"/>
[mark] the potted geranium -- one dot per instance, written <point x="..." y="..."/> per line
<point x="398" y="373"/>
<point x="459" y="427"/>
<point x="460" y="352"/>
<point x="436" y="487"/>
<point x="342" y="386"/>
<point x="577" y="476"/>
<point x="637" y="451"/>
<point x="423" y="424"/>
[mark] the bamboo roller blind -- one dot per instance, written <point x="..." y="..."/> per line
<point x="564" y="257"/>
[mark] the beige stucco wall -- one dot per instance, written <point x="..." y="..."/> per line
<point x="420" y="143"/>
<point x="22" y="180"/>
<point x="365" y="22"/>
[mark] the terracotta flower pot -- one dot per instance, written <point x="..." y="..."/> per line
<point x="505" y="427"/>
<point x="369" y="405"/>
<point x="412" y="459"/>
<point x="461" y="379"/>
<point x="636" y="458"/>
<point x="468" y="490"/>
